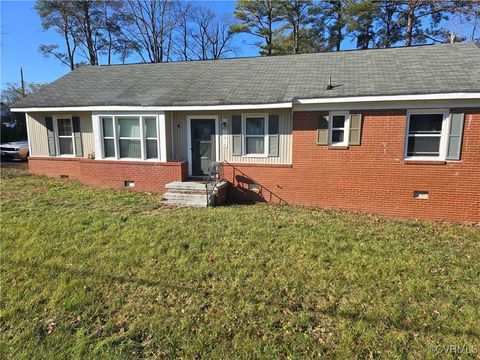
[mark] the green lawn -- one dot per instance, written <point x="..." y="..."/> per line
<point x="91" y="273"/>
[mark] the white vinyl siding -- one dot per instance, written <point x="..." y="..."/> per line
<point x="177" y="121"/>
<point x="37" y="131"/>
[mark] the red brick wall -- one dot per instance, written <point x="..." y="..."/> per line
<point x="148" y="176"/>
<point x="372" y="177"/>
<point x="55" y="167"/>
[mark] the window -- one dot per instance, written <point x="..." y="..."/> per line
<point x="255" y="132"/>
<point x="130" y="137"/>
<point x="151" y="137"/>
<point x="108" y="137"/>
<point x="339" y="128"/>
<point x="426" y="135"/>
<point x="65" y="136"/>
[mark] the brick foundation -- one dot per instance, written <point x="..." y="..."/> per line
<point x="147" y="176"/>
<point x="372" y="177"/>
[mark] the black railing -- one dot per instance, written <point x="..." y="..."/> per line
<point x="212" y="177"/>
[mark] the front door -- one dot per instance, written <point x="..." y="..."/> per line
<point x="203" y="145"/>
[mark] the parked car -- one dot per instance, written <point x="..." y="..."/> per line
<point x="15" y="150"/>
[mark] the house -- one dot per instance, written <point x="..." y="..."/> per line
<point x="389" y="131"/>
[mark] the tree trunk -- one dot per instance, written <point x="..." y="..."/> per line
<point x="339" y="31"/>
<point x="69" y="50"/>
<point x="270" y="34"/>
<point x="88" y="35"/>
<point x="410" y="24"/>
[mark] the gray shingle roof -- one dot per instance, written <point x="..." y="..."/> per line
<point x="262" y="80"/>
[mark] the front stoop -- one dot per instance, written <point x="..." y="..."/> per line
<point x="194" y="194"/>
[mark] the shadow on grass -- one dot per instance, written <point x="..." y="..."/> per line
<point x="331" y="311"/>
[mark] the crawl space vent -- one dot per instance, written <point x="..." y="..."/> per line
<point x="420" y="195"/>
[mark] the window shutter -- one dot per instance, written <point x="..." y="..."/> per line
<point x="77" y="139"/>
<point x="455" y="137"/>
<point x="236" y="135"/>
<point x="322" y="130"/>
<point x="273" y="135"/>
<point x="50" y="136"/>
<point x="355" y="129"/>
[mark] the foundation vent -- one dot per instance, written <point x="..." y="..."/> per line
<point x="420" y="195"/>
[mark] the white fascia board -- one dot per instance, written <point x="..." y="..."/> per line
<point x="286" y="105"/>
<point x="419" y="97"/>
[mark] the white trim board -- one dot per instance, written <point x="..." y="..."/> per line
<point x="338" y="103"/>
<point x="389" y="105"/>
<point x="285" y="105"/>
<point x="356" y="99"/>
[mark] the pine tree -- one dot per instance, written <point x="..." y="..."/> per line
<point x="260" y="18"/>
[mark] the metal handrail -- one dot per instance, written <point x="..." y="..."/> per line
<point x="211" y="177"/>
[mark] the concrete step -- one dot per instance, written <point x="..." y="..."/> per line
<point x="185" y="186"/>
<point x="185" y="199"/>
<point x="193" y="186"/>
<point x="181" y="203"/>
<point x="191" y="193"/>
<point x="170" y="195"/>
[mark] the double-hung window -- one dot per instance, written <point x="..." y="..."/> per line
<point x="151" y="137"/>
<point x="427" y="135"/>
<point x="255" y="135"/>
<point x="339" y="128"/>
<point x="108" y="137"/>
<point x="65" y="136"/>
<point x="130" y="137"/>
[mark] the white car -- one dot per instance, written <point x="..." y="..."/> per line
<point x="15" y="150"/>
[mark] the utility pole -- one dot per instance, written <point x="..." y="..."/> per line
<point x="23" y="82"/>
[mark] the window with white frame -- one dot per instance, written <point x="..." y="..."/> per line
<point x="426" y="135"/>
<point x="108" y="137"/>
<point x="339" y="128"/>
<point x="151" y="137"/>
<point x="255" y="129"/>
<point x="65" y="136"/>
<point x="130" y="137"/>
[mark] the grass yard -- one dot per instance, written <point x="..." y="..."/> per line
<point x="91" y="273"/>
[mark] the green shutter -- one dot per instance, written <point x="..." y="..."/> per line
<point x="77" y="136"/>
<point x="236" y="135"/>
<point x="355" y="129"/>
<point x="273" y="135"/>
<point x="322" y="130"/>
<point x="455" y="137"/>
<point x="50" y="136"/>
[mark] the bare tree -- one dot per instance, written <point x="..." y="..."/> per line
<point x="221" y="37"/>
<point x="58" y="14"/>
<point x="151" y="30"/>
<point x="183" y="16"/>
<point x="201" y="34"/>
<point x="201" y="24"/>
